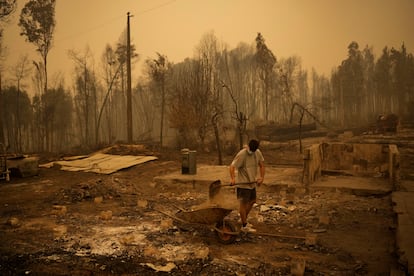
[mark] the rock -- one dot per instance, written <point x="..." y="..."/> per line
<point x="13" y="221"/>
<point x="280" y="208"/>
<point x="292" y="208"/>
<point x="142" y="203"/>
<point x="264" y="208"/>
<point x="59" y="210"/>
<point x="311" y="239"/>
<point x="162" y="268"/>
<point x="297" y="267"/>
<point x="106" y="215"/>
<point x="166" y="223"/>
<point x="324" y="220"/>
<point x="98" y="199"/>
<point x="60" y="231"/>
<point x="151" y="251"/>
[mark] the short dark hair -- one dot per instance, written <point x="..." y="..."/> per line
<point x="253" y="145"/>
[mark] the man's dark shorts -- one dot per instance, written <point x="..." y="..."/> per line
<point x="246" y="195"/>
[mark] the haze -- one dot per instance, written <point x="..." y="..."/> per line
<point x="318" y="31"/>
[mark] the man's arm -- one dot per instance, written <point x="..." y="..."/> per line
<point x="235" y="163"/>
<point x="262" y="172"/>
<point x="232" y="174"/>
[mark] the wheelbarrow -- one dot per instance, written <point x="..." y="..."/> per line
<point x="226" y="231"/>
<point x="212" y="216"/>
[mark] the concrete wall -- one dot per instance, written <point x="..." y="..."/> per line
<point x="394" y="165"/>
<point x="356" y="159"/>
<point x="312" y="164"/>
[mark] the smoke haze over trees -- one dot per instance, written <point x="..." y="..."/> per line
<point x="193" y="103"/>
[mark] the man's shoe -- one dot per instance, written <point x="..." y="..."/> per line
<point x="248" y="229"/>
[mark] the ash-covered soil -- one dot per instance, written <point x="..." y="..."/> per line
<point x="74" y="223"/>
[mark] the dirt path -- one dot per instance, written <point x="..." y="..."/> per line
<point x="63" y="223"/>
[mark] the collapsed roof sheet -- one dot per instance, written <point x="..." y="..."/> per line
<point x="101" y="163"/>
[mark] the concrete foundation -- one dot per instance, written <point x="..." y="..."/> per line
<point x="371" y="160"/>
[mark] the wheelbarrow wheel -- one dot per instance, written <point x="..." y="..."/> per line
<point x="226" y="232"/>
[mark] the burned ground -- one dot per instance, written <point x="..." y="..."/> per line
<point x="66" y="223"/>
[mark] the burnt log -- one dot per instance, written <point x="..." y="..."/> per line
<point x="275" y="133"/>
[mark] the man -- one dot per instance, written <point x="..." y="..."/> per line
<point x="247" y="162"/>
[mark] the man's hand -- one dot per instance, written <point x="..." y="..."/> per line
<point x="232" y="181"/>
<point x="259" y="181"/>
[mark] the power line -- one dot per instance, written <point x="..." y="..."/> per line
<point x="156" y="7"/>
<point x="91" y="29"/>
<point x="94" y="28"/>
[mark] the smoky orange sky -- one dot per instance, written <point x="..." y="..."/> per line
<point x="318" y="31"/>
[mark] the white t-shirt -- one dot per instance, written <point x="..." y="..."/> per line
<point x="247" y="165"/>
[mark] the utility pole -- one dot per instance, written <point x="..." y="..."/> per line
<point x="1" y="117"/>
<point x="129" y="96"/>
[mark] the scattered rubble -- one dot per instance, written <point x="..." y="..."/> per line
<point x="81" y="223"/>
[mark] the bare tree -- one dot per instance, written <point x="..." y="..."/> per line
<point x="109" y="65"/>
<point x="112" y="81"/>
<point x="21" y="70"/>
<point x="86" y="97"/>
<point x="207" y="83"/>
<point x="145" y="101"/>
<point x="241" y="81"/>
<point x="3" y="52"/>
<point x="239" y="116"/>
<point x="37" y="21"/>
<point x="183" y="112"/>
<point x="266" y="61"/>
<point x="349" y="85"/>
<point x="158" y="70"/>
<point x="7" y="7"/>
<point x="8" y="111"/>
<point x="322" y="97"/>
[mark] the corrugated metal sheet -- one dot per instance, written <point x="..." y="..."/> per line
<point x="101" y="163"/>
